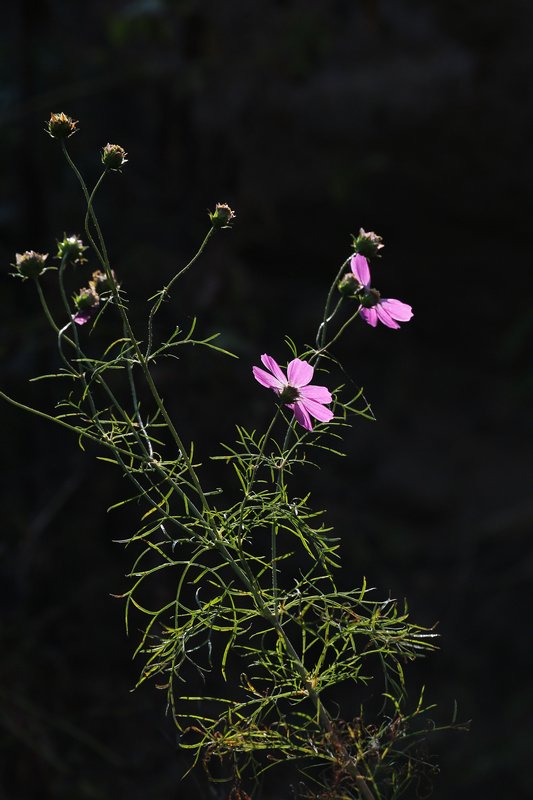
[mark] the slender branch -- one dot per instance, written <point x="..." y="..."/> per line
<point x="164" y="292"/>
<point x="102" y="255"/>
<point x="321" y="333"/>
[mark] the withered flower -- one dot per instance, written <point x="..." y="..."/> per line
<point x="59" y="126"/>
<point x="114" y="157"/>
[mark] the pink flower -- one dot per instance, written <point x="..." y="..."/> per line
<point x="373" y="306"/>
<point x="303" y="399"/>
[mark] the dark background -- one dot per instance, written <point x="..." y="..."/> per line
<point x="311" y="119"/>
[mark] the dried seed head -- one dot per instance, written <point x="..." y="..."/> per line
<point x="100" y="282"/>
<point x="59" y="126"/>
<point x="113" y="157"/>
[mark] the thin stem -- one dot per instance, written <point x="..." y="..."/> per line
<point x="102" y="255"/>
<point x="321" y="334"/>
<point x="81" y="432"/>
<point x="143" y="363"/>
<point x="82" y="358"/>
<point x="318" y="355"/>
<point x="47" y="311"/>
<point x="165" y="290"/>
<point x="274" y="527"/>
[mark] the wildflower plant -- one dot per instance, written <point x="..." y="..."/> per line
<point x="285" y="642"/>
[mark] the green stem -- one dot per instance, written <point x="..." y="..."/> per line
<point x="106" y="442"/>
<point x="321" y="333"/>
<point x="315" y="358"/>
<point x="102" y="255"/>
<point x="82" y="359"/>
<point x="274" y="527"/>
<point x="47" y="311"/>
<point x="165" y="290"/>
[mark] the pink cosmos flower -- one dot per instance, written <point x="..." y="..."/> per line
<point x="303" y="399"/>
<point x="373" y="306"/>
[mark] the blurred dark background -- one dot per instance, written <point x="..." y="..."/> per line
<point x="310" y="118"/>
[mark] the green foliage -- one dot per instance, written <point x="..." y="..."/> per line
<point x="284" y="641"/>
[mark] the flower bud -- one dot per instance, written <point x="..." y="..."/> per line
<point x="100" y="283"/>
<point x="59" y="126"/>
<point x="349" y="285"/>
<point x="367" y="244"/>
<point x="222" y="216"/>
<point x="29" y="264"/>
<point x="70" y="250"/>
<point x="113" y="157"/>
<point x="85" y="299"/>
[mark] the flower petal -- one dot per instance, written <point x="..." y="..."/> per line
<point x="370" y="315"/>
<point x="317" y="410"/>
<point x="360" y="269"/>
<point x="85" y="314"/>
<point x="274" y="368"/>
<point x="300" y="412"/>
<point x="299" y="373"/>
<point x="397" y="310"/>
<point x="320" y="394"/>
<point x="266" y="379"/>
<point x="385" y="317"/>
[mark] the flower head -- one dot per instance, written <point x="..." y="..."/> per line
<point x="29" y="264"/>
<point x="373" y="306"/>
<point x="303" y="399"/>
<point x="87" y="303"/>
<point x="59" y="126"/>
<point x="70" y="250"/>
<point x="100" y="282"/>
<point x="114" y="156"/>
<point x="368" y="243"/>
<point x="222" y="216"/>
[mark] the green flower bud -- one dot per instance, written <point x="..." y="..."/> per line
<point x="349" y="285"/>
<point x="85" y="299"/>
<point x="70" y="250"/>
<point x="100" y="282"/>
<point x="222" y="216"/>
<point x="113" y="157"/>
<point x="29" y="264"/>
<point x="367" y="244"/>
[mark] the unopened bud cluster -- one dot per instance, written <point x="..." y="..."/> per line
<point x="60" y="126"/>
<point x="357" y="284"/>
<point x="87" y="301"/>
<point x="366" y="244"/>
